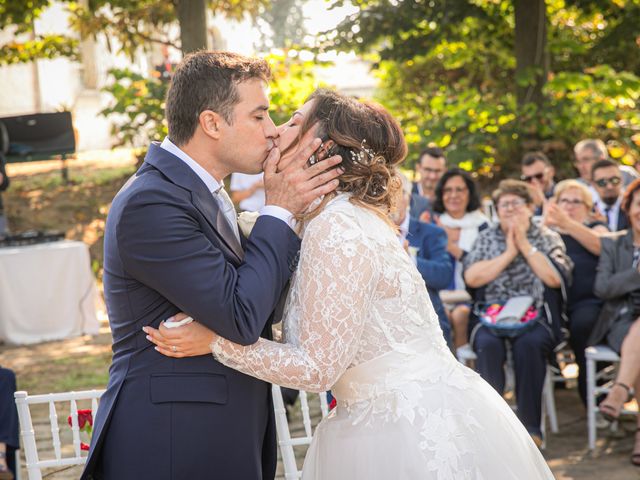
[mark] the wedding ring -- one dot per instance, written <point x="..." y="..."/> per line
<point x="174" y="348"/>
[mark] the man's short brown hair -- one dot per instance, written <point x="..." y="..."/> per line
<point x="207" y="80"/>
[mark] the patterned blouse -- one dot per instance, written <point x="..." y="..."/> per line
<point x="518" y="278"/>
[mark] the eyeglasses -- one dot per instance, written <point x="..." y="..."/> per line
<point x="574" y="203"/>
<point x="530" y="178"/>
<point x="431" y="170"/>
<point x="583" y="160"/>
<point x="515" y="204"/>
<point x="452" y="190"/>
<point x="603" y="181"/>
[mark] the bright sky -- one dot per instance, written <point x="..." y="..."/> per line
<point x="318" y="17"/>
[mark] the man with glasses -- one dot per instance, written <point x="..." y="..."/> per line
<point x="607" y="180"/>
<point x="431" y="166"/>
<point x="588" y="152"/>
<point x="538" y="172"/>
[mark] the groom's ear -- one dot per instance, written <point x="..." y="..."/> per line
<point x="210" y="123"/>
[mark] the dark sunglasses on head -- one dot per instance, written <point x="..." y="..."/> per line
<point x="603" y="181"/>
<point x="530" y="178"/>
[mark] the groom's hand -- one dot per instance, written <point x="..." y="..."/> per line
<point x="295" y="186"/>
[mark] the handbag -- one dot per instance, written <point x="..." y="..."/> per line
<point x="510" y="318"/>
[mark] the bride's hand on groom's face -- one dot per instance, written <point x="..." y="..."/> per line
<point x="187" y="341"/>
<point x="293" y="185"/>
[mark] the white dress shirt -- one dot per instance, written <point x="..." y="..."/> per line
<point x="614" y="212"/>
<point x="214" y="185"/>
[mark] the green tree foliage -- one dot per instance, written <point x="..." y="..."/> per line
<point x="19" y="16"/>
<point x="133" y="23"/>
<point x="138" y="102"/>
<point x="138" y="107"/>
<point x="448" y="71"/>
<point x="293" y="81"/>
<point x="282" y="24"/>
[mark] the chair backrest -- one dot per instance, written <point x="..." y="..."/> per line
<point x="24" y="401"/>
<point x="286" y="441"/>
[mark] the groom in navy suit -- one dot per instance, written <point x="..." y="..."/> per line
<point x="172" y="244"/>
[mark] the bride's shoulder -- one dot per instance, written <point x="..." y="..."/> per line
<point x="337" y="214"/>
<point x="346" y="221"/>
<point x="338" y="208"/>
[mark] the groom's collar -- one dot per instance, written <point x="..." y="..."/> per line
<point x="176" y="170"/>
<point x="212" y="184"/>
<point x="179" y="173"/>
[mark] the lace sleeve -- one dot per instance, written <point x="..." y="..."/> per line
<point x="335" y="283"/>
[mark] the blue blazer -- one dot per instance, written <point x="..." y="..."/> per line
<point x="433" y="264"/>
<point x="168" y="248"/>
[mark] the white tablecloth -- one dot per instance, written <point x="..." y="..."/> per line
<point x="47" y="292"/>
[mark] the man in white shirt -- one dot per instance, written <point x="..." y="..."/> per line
<point x="247" y="191"/>
<point x="587" y="153"/>
<point x="607" y="180"/>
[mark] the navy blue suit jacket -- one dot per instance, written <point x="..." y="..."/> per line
<point x="433" y="264"/>
<point x="168" y="249"/>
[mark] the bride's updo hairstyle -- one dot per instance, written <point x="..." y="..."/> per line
<point x="371" y="145"/>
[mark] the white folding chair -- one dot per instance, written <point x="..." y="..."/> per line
<point x="18" y="465"/>
<point x="466" y="355"/>
<point x="594" y="354"/>
<point x="24" y="401"/>
<point x="285" y="441"/>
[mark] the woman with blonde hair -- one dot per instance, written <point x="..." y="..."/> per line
<point x="569" y="214"/>
<point x="358" y="320"/>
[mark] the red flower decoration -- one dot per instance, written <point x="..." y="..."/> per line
<point x="84" y="446"/>
<point x="84" y="416"/>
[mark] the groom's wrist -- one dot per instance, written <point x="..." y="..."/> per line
<point x="281" y="213"/>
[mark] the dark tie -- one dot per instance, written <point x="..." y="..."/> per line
<point x="607" y="212"/>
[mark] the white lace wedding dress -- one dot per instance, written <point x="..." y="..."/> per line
<point x="359" y="321"/>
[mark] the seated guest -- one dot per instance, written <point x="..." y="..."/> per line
<point x="568" y="214"/>
<point x="431" y="166"/>
<point x="429" y="242"/>
<point x="9" y="441"/>
<point x="517" y="257"/>
<point x="590" y="151"/>
<point x="618" y="284"/>
<point x="458" y="204"/>
<point x="538" y="172"/>
<point x="607" y="180"/>
<point x="4" y="184"/>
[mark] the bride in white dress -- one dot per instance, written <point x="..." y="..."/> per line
<point x="358" y="320"/>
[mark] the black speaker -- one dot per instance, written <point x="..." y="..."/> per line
<point x="40" y="134"/>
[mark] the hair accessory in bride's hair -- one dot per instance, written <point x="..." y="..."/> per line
<point x="365" y="155"/>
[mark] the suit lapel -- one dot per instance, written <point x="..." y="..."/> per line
<point x="626" y="250"/>
<point x="623" y="222"/>
<point x="179" y="173"/>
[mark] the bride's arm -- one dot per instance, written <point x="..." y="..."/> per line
<point x="336" y="282"/>
<point x="335" y="286"/>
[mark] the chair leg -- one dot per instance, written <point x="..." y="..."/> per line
<point x="283" y="435"/>
<point x="550" y="401"/>
<point x="591" y="402"/>
<point x="18" y="466"/>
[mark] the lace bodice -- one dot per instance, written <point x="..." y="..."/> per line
<point x="355" y="296"/>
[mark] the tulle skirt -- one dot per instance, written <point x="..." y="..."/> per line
<point x="420" y="416"/>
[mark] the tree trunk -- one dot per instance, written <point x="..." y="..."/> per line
<point x="532" y="61"/>
<point x="192" y="17"/>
